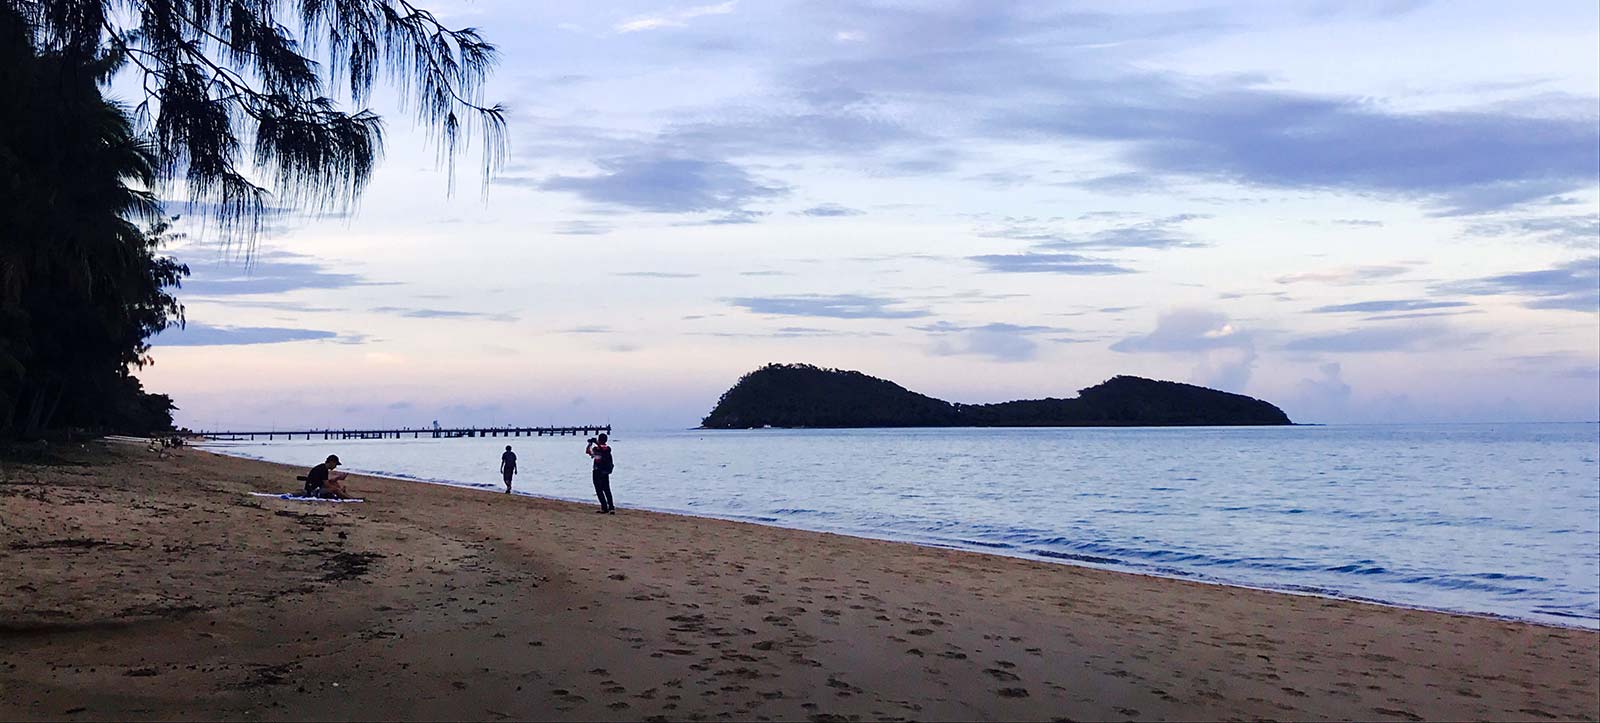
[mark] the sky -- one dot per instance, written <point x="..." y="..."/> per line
<point x="1362" y="212"/>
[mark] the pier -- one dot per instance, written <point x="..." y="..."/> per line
<point x="403" y="433"/>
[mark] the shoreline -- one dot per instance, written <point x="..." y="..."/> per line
<point x="154" y="588"/>
<point x="981" y="549"/>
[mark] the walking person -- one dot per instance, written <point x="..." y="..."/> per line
<point x="508" y="466"/>
<point x="600" y="452"/>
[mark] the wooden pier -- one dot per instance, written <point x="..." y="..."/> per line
<point x="403" y="433"/>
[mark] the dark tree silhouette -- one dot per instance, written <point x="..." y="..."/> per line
<point x="236" y="107"/>
<point x="81" y="284"/>
<point x="239" y="94"/>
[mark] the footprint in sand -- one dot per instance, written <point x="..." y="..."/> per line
<point x="1012" y="692"/>
<point x="1001" y="675"/>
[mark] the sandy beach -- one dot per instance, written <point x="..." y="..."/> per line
<point x="144" y="588"/>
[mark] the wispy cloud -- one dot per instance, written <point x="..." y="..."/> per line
<point x="1157" y="233"/>
<point x="674" y="18"/>
<point x="198" y="334"/>
<point x="839" y="306"/>
<point x="415" y="313"/>
<point x="656" y="274"/>
<point x="1048" y="263"/>
<point x="1572" y="286"/>
<point x="583" y="228"/>
<point x="1391" y="305"/>
<point x="1384" y="339"/>
<point x="830" y="210"/>
<point x="662" y="184"/>
<point x="1346" y="276"/>
<point x="1578" y="231"/>
<point x="998" y="341"/>
<point x="269" y="271"/>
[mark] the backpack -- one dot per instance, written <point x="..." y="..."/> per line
<point x="604" y="463"/>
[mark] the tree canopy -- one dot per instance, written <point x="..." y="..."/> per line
<point x="236" y="108"/>
<point x="240" y="97"/>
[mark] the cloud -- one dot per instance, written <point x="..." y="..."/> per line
<point x="1158" y="233"/>
<point x="590" y="329"/>
<point x="1122" y="183"/>
<point x="793" y="332"/>
<point x="997" y="341"/>
<point x="830" y="210"/>
<point x="414" y="313"/>
<point x="583" y="228"/>
<point x="1226" y="354"/>
<point x="198" y="334"/>
<point x="1383" y="338"/>
<point x="731" y="218"/>
<point x="1187" y="330"/>
<point x="267" y="272"/>
<point x="841" y="306"/>
<point x="1580" y="231"/>
<point x="994" y="64"/>
<point x="1379" y="307"/>
<point x="662" y="184"/>
<point x="676" y="19"/>
<point x="656" y="274"/>
<point x="1572" y="286"/>
<point x="1346" y="276"/>
<point x="1325" y="396"/>
<point x="1455" y="162"/>
<point x="1048" y="263"/>
<point x="1423" y="315"/>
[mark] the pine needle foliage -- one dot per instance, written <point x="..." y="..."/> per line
<point x="240" y="95"/>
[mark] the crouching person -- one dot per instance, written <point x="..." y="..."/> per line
<point x="322" y="481"/>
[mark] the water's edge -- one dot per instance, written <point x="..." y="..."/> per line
<point x="1082" y="561"/>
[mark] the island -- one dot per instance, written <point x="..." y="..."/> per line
<point x="806" y="396"/>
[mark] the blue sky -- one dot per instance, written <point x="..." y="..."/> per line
<point x="1363" y="212"/>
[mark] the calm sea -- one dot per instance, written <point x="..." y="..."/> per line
<point x="1499" y="519"/>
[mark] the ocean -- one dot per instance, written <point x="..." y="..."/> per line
<point x="1500" y="519"/>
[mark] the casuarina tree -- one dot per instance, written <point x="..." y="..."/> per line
<point x="242" y="98"/>
<point x="236" y="108"/>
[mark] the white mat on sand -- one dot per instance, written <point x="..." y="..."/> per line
<point x="299" y="498"/>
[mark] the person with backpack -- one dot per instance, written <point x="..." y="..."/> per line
<point x="600" y="452"/>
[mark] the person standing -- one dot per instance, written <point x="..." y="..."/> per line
<point x="508" y="466"/>
<point x="600" y="452"/>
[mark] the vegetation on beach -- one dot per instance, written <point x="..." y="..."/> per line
<point x="236" y="114"/>
<point x="801" y="395"/>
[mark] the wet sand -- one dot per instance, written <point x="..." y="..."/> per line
<point x="143" y="588"/>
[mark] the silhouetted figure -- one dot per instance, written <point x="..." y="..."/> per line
<point x="508" y="466"/>
<point x="600" y="452"/>
<point x="323" y="482"/>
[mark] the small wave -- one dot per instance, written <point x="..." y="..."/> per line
<point x="991" y="545"/>
<point x="1359" y="568"/>
<point x="1076" y="558"/>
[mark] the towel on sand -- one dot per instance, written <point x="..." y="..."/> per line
<point x="300" y="498"/>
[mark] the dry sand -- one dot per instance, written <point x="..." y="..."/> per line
<point x="145" y="588"/>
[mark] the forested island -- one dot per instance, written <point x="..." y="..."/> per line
<point x="802" y="395"/>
